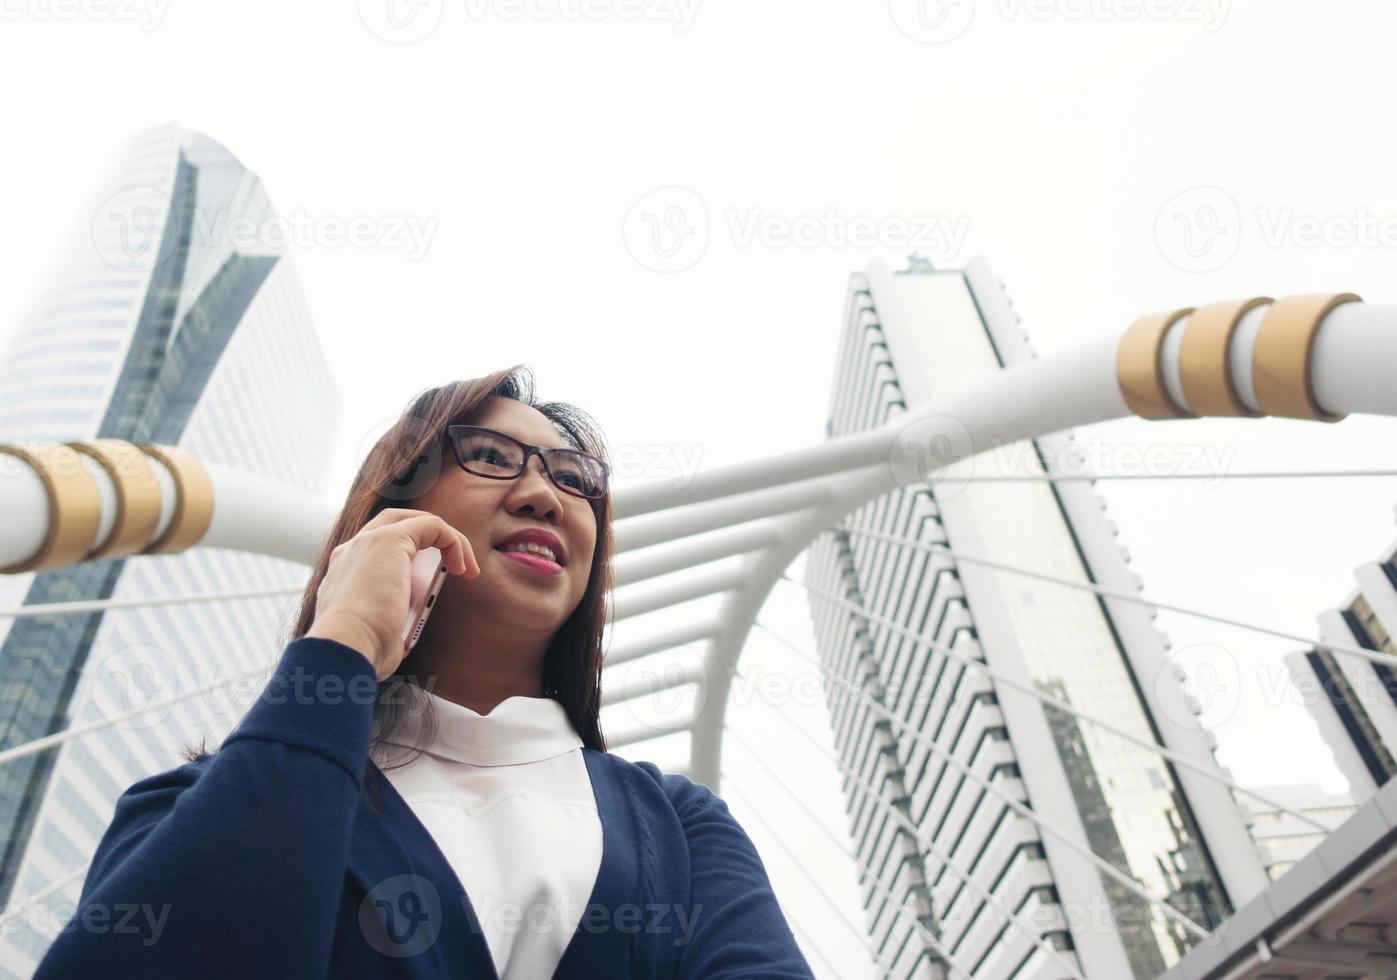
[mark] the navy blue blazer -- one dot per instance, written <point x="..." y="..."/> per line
<point x="265" y="860"/>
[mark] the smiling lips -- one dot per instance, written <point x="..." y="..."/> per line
<point x="534" y="561"/>
<point x="536" y="539"/>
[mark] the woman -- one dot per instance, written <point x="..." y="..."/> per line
<point x="508" y="843"/>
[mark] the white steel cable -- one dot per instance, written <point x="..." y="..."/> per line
<point x="1101" y="863"/>
<point x="98" y="605"/>
<point x="809" y="941"/>
<point x="58" y="738"/>
<point x="1061" y="705"/>
<point x="859" y="934"/>
<point x="950" y="476"/>
<point x="1010" y="919"/>
<point x="1102" y="590"/>
<point x="863" y="937"/>
<point x="887" y="971"/>
<point x="44" y="892"/>
<point x="930" y="939"/>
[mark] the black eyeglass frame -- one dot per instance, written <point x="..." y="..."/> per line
<point x="543" y="453"/>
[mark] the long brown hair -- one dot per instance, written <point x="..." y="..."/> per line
<point x="393" y="474"/>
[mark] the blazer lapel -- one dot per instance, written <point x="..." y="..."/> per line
<point x="598" y="948"/>
<point x="395" y="860"/>
<point x="393" y="853"/>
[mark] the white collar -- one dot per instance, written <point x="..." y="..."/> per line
<point x="520" y="729"/>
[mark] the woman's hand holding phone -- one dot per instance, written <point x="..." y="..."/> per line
<point x="364" y="598"/>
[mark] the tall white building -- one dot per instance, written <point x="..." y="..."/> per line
<point x="918" y="559"/>
<point x="172" y="316"/>
<point x="1352" y="699"/>
<point x="1283" y="837"/>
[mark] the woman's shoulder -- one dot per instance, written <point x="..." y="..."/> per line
<point x="683" y="793"/>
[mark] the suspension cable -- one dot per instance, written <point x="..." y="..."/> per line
<point x="916" y="923"/>
<point x="73" y="732"/>
<point x="950" y="476"/>
<point x="966" y="877"/>
<point x="1086" y="853"/>
<point x="1048" y="699"/>
<point x="45" y="892"/>
<point x="897" y="907"/>
<point x="911" y="827"/>
<point x="1101" y="590"/>
<point x="98" y="605"/>
<point x="820" y="888"/>
<point x="809" y="941"/>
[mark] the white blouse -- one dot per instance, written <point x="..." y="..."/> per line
<point x="507" y="798"/>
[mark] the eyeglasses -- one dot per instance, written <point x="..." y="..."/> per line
<point x="497" y="456"/>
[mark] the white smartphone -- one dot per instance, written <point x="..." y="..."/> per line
<point x="428" y="573"/>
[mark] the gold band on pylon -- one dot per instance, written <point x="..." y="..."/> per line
<point x="1281" y="369"/>
<point x="1204" y="369"/>
<point x="193" y="500"/>
<point x="1140" y="367"/>
<point x="75" y="500"/>
<point x="74" y="503"/>
<point x="137" y="496"/>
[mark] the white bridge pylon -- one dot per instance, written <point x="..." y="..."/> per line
<point x="1317" y="357"/>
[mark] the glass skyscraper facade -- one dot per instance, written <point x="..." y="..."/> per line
<point x="166" y="319"/>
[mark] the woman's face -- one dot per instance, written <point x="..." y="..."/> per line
<point x="488" y="511"/>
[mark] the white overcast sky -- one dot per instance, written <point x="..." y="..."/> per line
<point x="1072" y="142"/>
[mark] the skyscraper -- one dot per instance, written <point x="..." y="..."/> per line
<point x="1285" y="839"/>
<point x="169" y="318"/>
<point x="1353" y="700"/>
<point x="935" y="562"/>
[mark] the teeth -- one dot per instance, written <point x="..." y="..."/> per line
<point x="537" y="549"/>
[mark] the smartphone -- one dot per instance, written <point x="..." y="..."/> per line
<point x="428" y="574"/>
